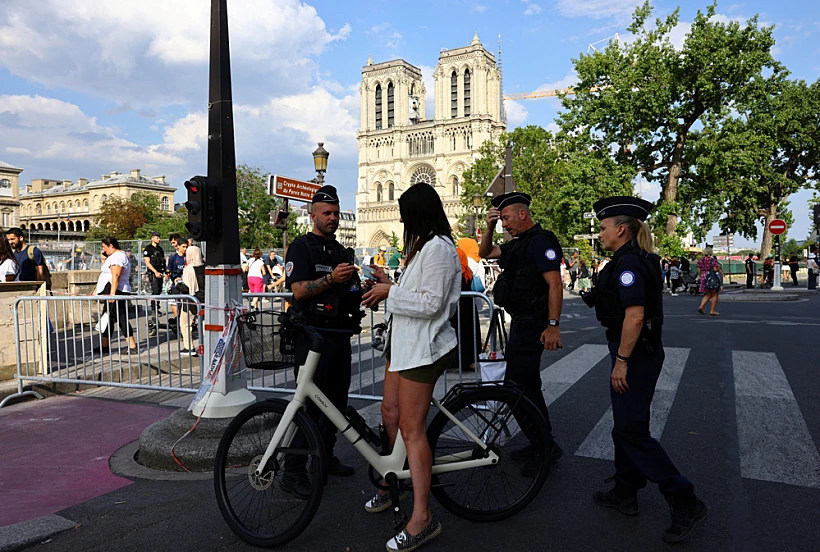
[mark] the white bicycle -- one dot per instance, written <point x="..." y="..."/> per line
<point x="471" y="437"/>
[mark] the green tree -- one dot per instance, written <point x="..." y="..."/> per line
<point x="639" y="101"/>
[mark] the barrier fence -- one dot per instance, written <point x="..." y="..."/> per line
<point x="60" y="340"/>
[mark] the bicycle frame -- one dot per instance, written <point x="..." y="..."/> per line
<point x="306" y="389"/>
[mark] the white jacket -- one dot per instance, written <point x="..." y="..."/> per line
<point x="421" y="307"/>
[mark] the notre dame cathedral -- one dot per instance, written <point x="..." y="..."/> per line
<point x="399" y="147"/>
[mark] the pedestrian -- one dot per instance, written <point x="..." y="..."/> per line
<point x="711" y="281"/>
<point x="768" y="273"/>
<point x="629" y="304"/>
<point x="31" y="265"/>
<point x="114" y="280"/>
<point x="674" y="275"/>
<point x="750" y="272"/>
<point x="154" y="258"/>
<point x="665" y="264"/>
<point x="813" y="266"/>
<point x="174" y="268"/>
<point x="8" y="261"/>
<point x="420" y="305"/>
<point x="318" y="273"/>
<point x="465" y="321"/>
<point x="573" y="270"/>
<point x="794" y="265"/>
<point x="271" y="262"/>
<point x="394" y="261"/>
<point x="378" y="258"/>
<point x="529" y="288"/>
<point x="191" y="283"/>
<point x="584" y="281"/>
<point x="685" y="267"/>
<point x="256" y="269"/>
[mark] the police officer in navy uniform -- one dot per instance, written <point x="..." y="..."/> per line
<point x="531" y="291"/>
<point x="628" y="302"/>
<point x="327" y="292"/>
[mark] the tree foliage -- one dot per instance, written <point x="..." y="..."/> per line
<point x="122" y="218"/>
<point x="255" y="206"/>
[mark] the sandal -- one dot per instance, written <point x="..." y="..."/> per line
<point x="701" y="311"/>
<point x="714" y="314"/>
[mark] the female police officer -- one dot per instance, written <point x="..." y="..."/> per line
<point x="628" y="302"/>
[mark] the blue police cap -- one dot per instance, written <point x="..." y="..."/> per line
<point x="622" y="205"/>
<point x="499" y="202"/>
<point x="326" y="194"/>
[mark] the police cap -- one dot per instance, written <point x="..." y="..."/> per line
<point x="499" y="202"/>
<point x="622" y="205"/>
<point x="326" y="194"/>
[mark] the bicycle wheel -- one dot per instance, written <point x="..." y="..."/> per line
<point x="266" y="510"/>
<point x="506" y="421"/>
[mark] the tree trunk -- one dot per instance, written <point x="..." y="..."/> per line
<point x="766" y="245"/>
<point x="670" y="192"/>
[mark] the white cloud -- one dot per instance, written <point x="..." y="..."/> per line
<point x="478" y="8"/>
<point x="377" y="29"/>
<point x="516" y="113"/>
<point x="567" y="81"/>
<point x="598" y="9"/>
<point x="532" y="9"/>
<point x="17" y="151"/>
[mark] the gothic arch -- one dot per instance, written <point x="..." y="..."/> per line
<point x="421" y="172"/>
<point x="86" y="226"/>
<point x="48" y="226"/>
<point x="378" y="238"/>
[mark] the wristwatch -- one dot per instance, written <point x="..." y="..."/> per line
<point x="553" y="322"/>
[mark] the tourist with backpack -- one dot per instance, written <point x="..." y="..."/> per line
<point x="711" y="281"/>
<point x="30" y="261"/>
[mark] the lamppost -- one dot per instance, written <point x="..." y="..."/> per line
<point x="477" y="203"/>
<point x="59" y="218"/>
<point x="320" y="156"/>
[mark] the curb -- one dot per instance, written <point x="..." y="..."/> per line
<point x="124" y="464"/>
<point x="22" y="535"/>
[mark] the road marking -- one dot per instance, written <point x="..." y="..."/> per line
<point x="565" y="372"/>
<point x="774" y="440"/>
<point x="598" y="443"/>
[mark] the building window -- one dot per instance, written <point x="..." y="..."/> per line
<point x="378" y="191"/>
<point x="104" y="198"/>
<point x="85" y="205"/>
<point x="454" y="95"/>
<point x="48" y="209"/>
<point x="390" y="105"/>
<point x="5" y="183"/>
<point x="424" y="174"/>
<point x="62" y="207"/>
<point x="455" y="186"/>
<point x="467" y="93"/>
<point x="378" y="107"/>
<point x="166" y="205"/>
<point x="391" y="189"/>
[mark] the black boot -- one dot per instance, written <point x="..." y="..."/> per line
<point x="622" y="498"/>
<point x="686" y="512"/>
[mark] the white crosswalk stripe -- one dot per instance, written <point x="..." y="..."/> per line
<point x="598" y="443"/>
<point x="565" y="372"/>
<point x="774" y="440"/>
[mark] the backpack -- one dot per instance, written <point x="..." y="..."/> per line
<point x="46" y="272"/>
<point x="712" y="282"/>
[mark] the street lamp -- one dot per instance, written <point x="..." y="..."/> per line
<point x="477" y="203"/>
<point x="320" y="156"/>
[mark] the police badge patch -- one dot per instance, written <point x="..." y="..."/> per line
<point x="550" y="254"/>
<point x="289" y="268"/>
<point x="627" y="278"/>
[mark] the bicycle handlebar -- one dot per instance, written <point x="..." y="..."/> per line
<point x="313" y="333"/>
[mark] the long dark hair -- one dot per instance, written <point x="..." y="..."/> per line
<point x="423" y="216"/>
<point x="5" y="250"/>
<point x="111" y="241"/>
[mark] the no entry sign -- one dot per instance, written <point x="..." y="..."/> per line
<point x="777" y="227"/>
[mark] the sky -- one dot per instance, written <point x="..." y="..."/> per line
<point x="90" y="87"/>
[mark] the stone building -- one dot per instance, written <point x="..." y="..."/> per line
<point x="9" y="195"/>
<point x="52" y="208"/>
<point x="398" y="147"/>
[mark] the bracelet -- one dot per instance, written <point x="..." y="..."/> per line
<point x="329" y="279"/>
<point x="621" y="358"/>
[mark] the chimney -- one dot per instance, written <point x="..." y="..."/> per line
<point x="82" y="181"/>
<point x="105" y="177"/>
<point x="67" y="183"/>
<point x="135" y="173"/>
<point x="160" y="179"/>
<point x="114" y="174"/>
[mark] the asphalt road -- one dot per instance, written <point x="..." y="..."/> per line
<point x="736" y="410"/>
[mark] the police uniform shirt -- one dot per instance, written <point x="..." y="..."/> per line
<point x="298" y="268"/>
<point x="155" y="255"/>
<point x="750" y="266"/>
<point x="630" y="277"/>
<point x="542" y="250"/>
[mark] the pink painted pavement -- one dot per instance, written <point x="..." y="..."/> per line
<point x="54" y="453"/>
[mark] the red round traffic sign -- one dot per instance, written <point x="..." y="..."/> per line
<point x="478" y="234"/>
<point x="777" y="227"/>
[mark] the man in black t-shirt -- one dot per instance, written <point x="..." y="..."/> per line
<point x="750" y="272"/>
<point x="154" y="258"/>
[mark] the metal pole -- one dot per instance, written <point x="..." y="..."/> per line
<point x="777" y="286"/>
<point x="285" y="231"/>
<point x="729" y="254"/>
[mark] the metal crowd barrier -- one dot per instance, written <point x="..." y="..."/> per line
<point x="367" y="365"/>
<point x="58" y="340"/>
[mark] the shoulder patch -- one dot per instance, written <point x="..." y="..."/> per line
<point x="289" y="268"/>
<point x="550" y="254"/>
<point x="627" y="278"/>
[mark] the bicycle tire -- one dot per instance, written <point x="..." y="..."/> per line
<point x="507" y="421"/>
<point x="260" y="510"/>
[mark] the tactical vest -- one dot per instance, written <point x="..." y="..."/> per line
<point x="608" y="308"/>
<point x="340" y="306"/>
<point x="520" y="289"/>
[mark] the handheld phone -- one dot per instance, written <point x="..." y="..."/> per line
<point x="367" y="272"/>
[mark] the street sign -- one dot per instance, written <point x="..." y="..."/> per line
<point x="290" y="188"/>
<point x="589" y="215"/>
<point x="478" y="234"/>
<point x="585" y="237"/>
<point x="777" y="227"/>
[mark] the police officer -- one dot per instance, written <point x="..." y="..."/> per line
<point x="530" y="289"/>
<point x="628" y="302"/>
<point x="326" y="290"/>
<point x="154" y="258"/>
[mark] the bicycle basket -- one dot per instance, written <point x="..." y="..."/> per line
<point x="266" y="343"/>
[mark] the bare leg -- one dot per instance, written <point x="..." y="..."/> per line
<point x="706" y="297"/>
<point x="714" y="303"/>
<point x="414" y="404"/>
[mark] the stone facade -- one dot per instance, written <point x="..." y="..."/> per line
<point x="398" y="147"/>
<point x="9" y="195"/>
<point x="49" y="207"/>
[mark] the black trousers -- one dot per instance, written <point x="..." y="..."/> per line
<point x="523" y="356"/>
<point x="117" y="313"/>
<point x="638" y="456"/>
<point x="469" y="336"/>
<point x="332" y="377"/>
<point x="794" y="275"/>
<point x="750" y="281"/>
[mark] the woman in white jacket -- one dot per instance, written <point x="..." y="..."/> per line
<point x="420" y="346"/>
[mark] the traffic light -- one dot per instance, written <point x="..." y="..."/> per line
<point x="201" y="206"/>
<point x="817" y="216"/>
<point x="279" y="218"/>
